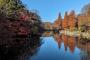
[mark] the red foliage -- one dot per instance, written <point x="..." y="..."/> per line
<point x="18" y="28"/>
<point x="18" y="25"/>
<point x="23" y="16"/>
<point x="23" y="31"/>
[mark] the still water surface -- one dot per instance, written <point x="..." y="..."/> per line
<point x="61" y="47"/>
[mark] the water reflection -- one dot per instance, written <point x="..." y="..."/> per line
<point x="57" y="47"/>
<point x="85" y="49"/>
<point x="19" y="48"/>
<point x="62" y="47"/>
<point x="69" y="41"/>
<point x="58" y="39"/>
<point x="65" y="40"/>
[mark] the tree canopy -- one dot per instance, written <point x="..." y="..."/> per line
<point x="86" y="10"/>
<point x="10" y="6"/>
<point x="18" y="19"/>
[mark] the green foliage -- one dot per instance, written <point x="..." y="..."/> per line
<point x="10" y="6"/>
<point x="17" y="17"/>
<point x="15" y="23"/>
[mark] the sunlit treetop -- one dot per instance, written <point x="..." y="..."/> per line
<point x="10" y="6"/>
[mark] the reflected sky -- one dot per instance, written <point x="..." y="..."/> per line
<point x="50" y="51"/>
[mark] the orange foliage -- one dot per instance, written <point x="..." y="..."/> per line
<point x="65" y="40"/>
<point x="71" y="43"/>
<point x="71" y="20"/>
<point x="65" y="21"/>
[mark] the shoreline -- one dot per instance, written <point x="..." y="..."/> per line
<point x="76" y="33"/>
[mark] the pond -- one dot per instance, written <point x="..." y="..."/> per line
<point x="61" y="47"/>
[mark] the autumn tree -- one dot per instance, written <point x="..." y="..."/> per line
<point x="72" y="20"/>
<point x="20" y="20"/>
<point x="65" y="21"/>
<point x="84" y="18"/>
<point x="86" y="9"/>
<point x="58" y="22"/>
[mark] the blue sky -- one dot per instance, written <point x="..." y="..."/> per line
<point x="49" y="9"/>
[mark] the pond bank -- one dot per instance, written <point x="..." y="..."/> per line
<point x="76" y="33"/>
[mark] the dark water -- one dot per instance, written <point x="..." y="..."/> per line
<point x="49" y="47"/>
<point x="62" y="47"/>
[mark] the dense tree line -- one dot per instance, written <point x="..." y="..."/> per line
<point x="86" y="9"/>
<point x="85" y="18"/>
<point x="19" y="28"/>
<point x="17" y="19"/>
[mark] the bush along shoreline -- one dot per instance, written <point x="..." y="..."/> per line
<point x="20" y="30"/>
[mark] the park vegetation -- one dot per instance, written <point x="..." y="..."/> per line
<point x="20" y="29"/>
